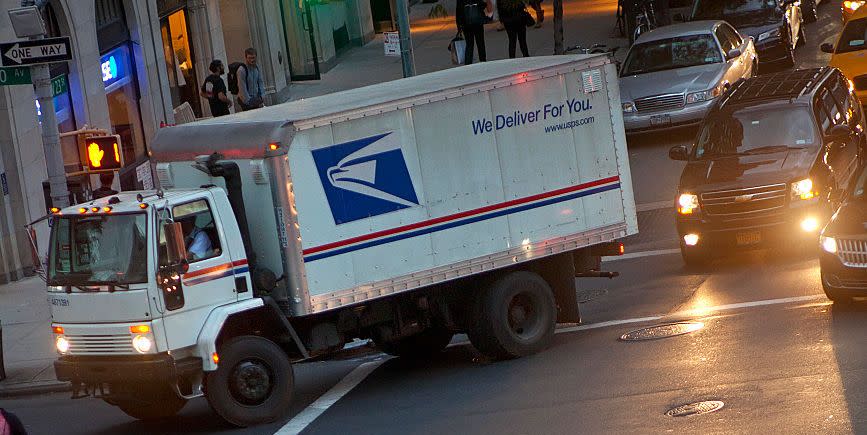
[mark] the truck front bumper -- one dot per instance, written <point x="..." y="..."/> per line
<point x="125" y="369"/>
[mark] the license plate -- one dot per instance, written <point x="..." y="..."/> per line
<point x="749" y="237"/>
<point x="660" y="120"/>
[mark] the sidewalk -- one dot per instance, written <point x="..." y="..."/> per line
<point x="585" y="22"/>
<point x="28" y="347"/>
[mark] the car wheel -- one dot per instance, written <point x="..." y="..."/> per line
<point x="694" y="257"/>
<point x="835" y="296"/>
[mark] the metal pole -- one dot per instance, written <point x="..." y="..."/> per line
<point x="50" y="135"/>
<point x="405" y="38"/>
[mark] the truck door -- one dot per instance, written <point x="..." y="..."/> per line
<point x="210" y="280"/>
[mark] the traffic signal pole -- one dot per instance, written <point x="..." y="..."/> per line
<point x="406" y="56"/>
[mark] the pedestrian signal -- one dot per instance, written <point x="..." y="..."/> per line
<point x="103" y="153"/>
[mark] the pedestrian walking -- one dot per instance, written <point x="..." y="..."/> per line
<point x="105" y="180"/>
<point x="251" y="88"/>
<point x="540" y="13"/>
<point x="513" y="14"/>
<point x="470" y="17"/>
<point x="214" y="89"/>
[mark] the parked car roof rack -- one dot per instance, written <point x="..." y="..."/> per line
<point x="787" y="84"/>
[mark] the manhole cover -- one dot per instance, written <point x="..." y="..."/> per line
<point x="662" y="331"/>
<point x="696" y="408"/>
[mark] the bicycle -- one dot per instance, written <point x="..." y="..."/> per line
<point x="593" y="49"/>
<point x="645" y="19"/>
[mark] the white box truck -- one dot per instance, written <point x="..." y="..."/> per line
<point x="464" y="200"/>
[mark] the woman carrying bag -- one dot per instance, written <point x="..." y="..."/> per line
<point x="516" y="19"/>
<point x="470" y="17"/>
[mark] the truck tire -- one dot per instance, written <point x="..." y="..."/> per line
<point x="165" y="405"/>
<point x="514" y="317"/>
<point x="423" y="345"/>
<point x="694" y="258"/>
<point x="253" y="382"/>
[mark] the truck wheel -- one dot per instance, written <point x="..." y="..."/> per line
<point x="693" y="257"/>
<point x="423" y="345"/>
<point x="514" y="317"/>
<point x="253" y="382"/>
<point x="162" y="406"/>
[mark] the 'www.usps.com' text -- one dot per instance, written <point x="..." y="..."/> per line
<point x="519" y="118"/>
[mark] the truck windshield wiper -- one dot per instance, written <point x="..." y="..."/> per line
<point x="770" y="149"/>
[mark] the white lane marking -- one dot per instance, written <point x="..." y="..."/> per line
<point x="640" y="254"/>
<point x="658" y="205"/>
<point x="701" y="312"/>
<point x="315" y="409"/>
<point x="350" y="381"/>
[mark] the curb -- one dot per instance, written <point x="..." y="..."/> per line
<point x="20" y="389"/>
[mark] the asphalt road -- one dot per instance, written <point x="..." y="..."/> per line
<point x="770" y="347"/>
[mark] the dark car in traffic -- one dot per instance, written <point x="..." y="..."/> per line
<point x="775" y="25"/>
<point x="771" y="159"/>
<point x="843" y="260"/>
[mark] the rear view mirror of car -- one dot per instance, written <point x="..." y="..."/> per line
<point x="839" y="132"/>
<point x="678" y="152"/>
<point x="827" y="48"/>
<point x="733" y="53"/>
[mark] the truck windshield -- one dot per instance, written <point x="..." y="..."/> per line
<point x="98" y="250"/>
<point x="755" y="131"/>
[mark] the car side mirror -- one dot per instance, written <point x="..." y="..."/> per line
<point x="678" y="18"/>
<point x="678" y="152"/>
<point x="827" y="48"/>
<point x="176" y="250"/>
<point x="733" y="53"/>
<point x="839" y="132"/>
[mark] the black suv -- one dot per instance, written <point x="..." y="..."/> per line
<point x="843" y="261"/>
<point x="775" y="25"/>
<point x="772" y="157"/>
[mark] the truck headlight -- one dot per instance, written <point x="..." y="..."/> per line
<point x="710" y="94"/>
<point x="803" y="189"/>
<point x="769" y="34"/>
<point x="829" y="244"/>
<point x="142" y="343"/>
<point x="687" y="203"/>
<point x="629" y="107"/>
<point x="62" y="344"/>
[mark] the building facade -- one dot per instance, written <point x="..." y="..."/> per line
<point x="136" y="65"/>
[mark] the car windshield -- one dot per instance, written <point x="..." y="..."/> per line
<point x="716" y="9"/>
<point x="755" y="131"/>
<point x="98" y="249"/>
<point x="664" y="54"/>
<point x="853" y="36"/>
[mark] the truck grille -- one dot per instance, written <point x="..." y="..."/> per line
<point x="100" y="344"/>
<point x="748" y="202"/>
<point x="860" y="82"/>
<point x="659" y="102"/>
<point x="853" y="253"/>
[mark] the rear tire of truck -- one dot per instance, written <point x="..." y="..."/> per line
<point x="253" y="383"/>
<point x="514" y="317"/>
<point x="161" y="406"/>
<point x="423" y="345"/>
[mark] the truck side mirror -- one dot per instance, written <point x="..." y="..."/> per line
<point x="839" y="132"/>
<point x="175" y="247"/>
<point x="678" y="152"/>
<point x="827" y="48"/>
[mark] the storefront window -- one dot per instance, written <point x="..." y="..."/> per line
<point x="179" y="61"/>
<point x="121" y="90"/>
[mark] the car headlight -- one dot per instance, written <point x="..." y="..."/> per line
<point x="803" y="189"/>
<point x="829" y="244"/>
<point x="142" y="343"/>
<point x="769" y="34"/>
<point x="687" y="203"/>
<point x="852" y="6"/>
<point x="710" y="94"/>
<point x="629" y="107"/>
<point x="62" y="344"/>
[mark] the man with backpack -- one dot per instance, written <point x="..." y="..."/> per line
<point x="215" y="90"/>
<point x="248" y="83"/>
<point x="470" y="17"/>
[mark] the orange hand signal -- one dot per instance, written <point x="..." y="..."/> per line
<point x="95" y="154"/>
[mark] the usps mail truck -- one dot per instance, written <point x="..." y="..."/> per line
<point x="461" y="201"/>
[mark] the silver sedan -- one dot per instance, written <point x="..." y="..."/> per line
<point x="673" y="74"/>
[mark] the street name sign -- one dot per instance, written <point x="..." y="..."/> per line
<point x="34" y="52"/>
<point x="15" y="76"/>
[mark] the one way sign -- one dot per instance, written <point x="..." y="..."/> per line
<point x="36" y="51"/>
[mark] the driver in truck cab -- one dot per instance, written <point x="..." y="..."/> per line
<point x="195" y="239"/>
